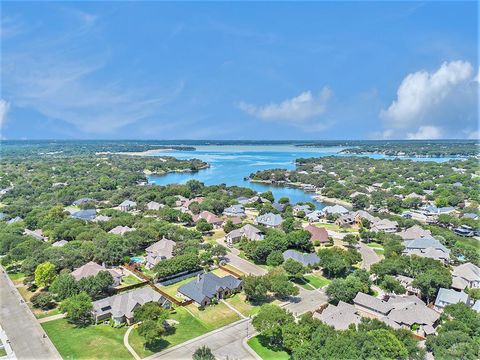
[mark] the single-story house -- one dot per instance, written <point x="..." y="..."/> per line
<point x="362" y="214"/>
<point x="449" y="296"/>
<point x="82" y="201"/>
<point x="472" y="216"/>
<point x="317" y="233"/>
<point x="209" y="217"/>
<point x="85" y="215"/>
<point x="14" y="220"/>
<point x="153" y="205"/>
<point x="299" y="208"/>
<point x="205" y="287"/>
<point x="234" y="210"/>
<point x="314" y="216"/>
<point x="464" y="230"/>
<point x="414" y="232"/>
<point x="127" y="205"/>
<point x="121" y="230"/>
<point x="248" y="231"/>
<point x="92" y="269"/>
<point x="466" y="276"/>
<point x="427" y="247"/>
<point x="371" y="305"/>
<point x="432" y="210"/>
<point x="269" y="220"/>
<point x="335" y="210"/>
<point x="101" y="218"/>
<point x="340" y="317"/>
<point x="278" y="206"/>
<point x="37" y="234"/>
<point x="407" y="282"/>
<point x="384" y="225"/>
<point x="306" y="259"/>
<point x="120" y="307"/>
<point x="60" y="243"/>
<point x="161" y="250"/>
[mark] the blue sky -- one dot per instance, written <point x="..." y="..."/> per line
<point x="327" y="70"/>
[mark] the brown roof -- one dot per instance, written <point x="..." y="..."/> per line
<point x="317" y="233"/>
<point x="210" y="217"/>
<point x="92" y="269"/>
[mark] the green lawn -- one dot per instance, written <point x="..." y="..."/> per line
<point x="172" y="289"/>
<point x="246" y="308"/>
<point x="266" y="353"/>
<point x="335" y="227"/>
<point x="317" y="281"/>
<point x="374" y="245"/>
<point x="129" y="280"/>
<point x="214" y="316"/>
<point x="40" y="314"/>
<point x="91" y="342"/>
<point x="217" y="234"/>
<point x="3" y="352"/>
<point x="187" y="328"/>
<point x="16" y="277"/>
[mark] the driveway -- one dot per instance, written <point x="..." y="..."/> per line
<point x="241" y="264"/>
<point x="369" y="256"/>
<point x="23" y="330"/>
<point x="306" y="300"/>
<point x="228" y="341"/>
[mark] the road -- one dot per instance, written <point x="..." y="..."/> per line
<point x="23" y="330"/>
<point x="241" y="264"/>
<point x="369" y="256"/>
<point x="228" y="341"/>
<point x="306" y="300"/>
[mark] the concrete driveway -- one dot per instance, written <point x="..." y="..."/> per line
<point x="23" y="330"/>
<point x="241" y="264"/>
<point x="369" y="256"/>
<point x="306" y="300"/>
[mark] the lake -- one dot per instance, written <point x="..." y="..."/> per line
<point x="231" y="164"/>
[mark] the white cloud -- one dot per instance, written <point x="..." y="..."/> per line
<point x="298" y="109"/>
<point x="4" y="107"/>
<point x="434" y="104"/>
<point x="426" y="133"/>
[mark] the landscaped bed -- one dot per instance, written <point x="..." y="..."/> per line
<point x="90" y="342"/>
<point x="188" y="327"/>
<point x="266" y="353"/>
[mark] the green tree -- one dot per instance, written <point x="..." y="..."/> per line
<point x="275" y="258"/>
<point x="351" y="240"/>
<point x="431" y="280"/>
<point x="203" y="226"/>
<point x="151" y="331"/>
<point x="45" y="274"/>
<point x="150" y="311"/>
<point x="270" y="321"/>
<point x="43" y="300"/>
<point x="203" y="353"/>
<point x="294" y="269"/>
<point x="64" y="286"/>
<point x="255" y="288"/>
<point x="78" y="308"/>
<point x="390" y="284"/>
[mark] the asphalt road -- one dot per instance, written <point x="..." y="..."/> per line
<point x="225" y="342"/>
<point x="23" y="330"/>
<point x="241" y="264"/>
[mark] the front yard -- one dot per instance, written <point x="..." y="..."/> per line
<point x="264" y="352"/>
<point x="214" y="316"/>
<point x="239" y="302"/>
<point x="335" y="227"/>
<point x="316" y="280"/>
<point x="188" y="327"/>
<point x="91" y="342"/>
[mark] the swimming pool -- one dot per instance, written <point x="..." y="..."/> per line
<point x="137" y="259"/>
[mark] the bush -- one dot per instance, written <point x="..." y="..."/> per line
<point x="43" y="300"/>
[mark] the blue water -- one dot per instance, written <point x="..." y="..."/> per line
<point x="230" y="164"/>
<point x="137" y="259"/>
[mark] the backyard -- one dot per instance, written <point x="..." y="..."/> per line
<point x="90" y="342"/>
<point x="264" y="352"/>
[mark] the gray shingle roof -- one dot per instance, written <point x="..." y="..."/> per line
<point x="450" y="296"/>
<point x="304" y="258"/>
<point x="207" y="286"/>
<point x="269" y="219"/>
<point x="340" y="317"/>
<point x="372" y="302"/>
<point x="88" y="214"/>
<point x="424" y="243"/>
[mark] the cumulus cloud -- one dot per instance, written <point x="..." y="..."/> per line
<point x="298" y="109"/>
<point x="4" y="107"/>
<point x="431" y="104"/>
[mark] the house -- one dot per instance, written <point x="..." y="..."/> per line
<point x="362" y="214"/>
<point x="306" y="259"/>
<point x="432" y="210"/>
<point x="127" y="205"/>
<point x="427" y="247"/>
<point x="82" y="201"/>
<point x="14" y="220"/>
<point x="2" y="215"/>
<point x="269" y="220"/>
<point x="407" y="282"/>
<point x="340" y="317"/>
<point x="101" y="218"/>
<point x="92" y="269"/>
<point x="234" y="210"/>
<point x="188" y="202"/>
<point x="248" y="231"/>
<point x="242" y="200"/>
<point x="205" y="287"/>
<point x="37" y="234"/>
<point x="466" y="276"/>
<point x="121" y="307"/>
<point x="60" y="243"/>
<point x="85" y="215"/>
<point x="371" y="305"/>
<point x="449" y="296"/>
<point x="301" y="208"/>
<point x="120" y="230"/>
<point x="317" y="233"/>
<point x="345" y="220"/>
<point x="278" y="206"/>
<point x="235" y="220"/>
<point x="153" y="205"/>
<point x="161" y="250"/>
<point x="414" y="232"/>
<point x="472" y="216"/>
<point x="314" y="216"/>
<point x="209" y="217"/>
<point x="385" y="225"/>
<point x="335" y="210"/>
<point x="464" y="230"/>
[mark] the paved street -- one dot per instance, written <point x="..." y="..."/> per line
<point x="241" y="264"/>
<point x="307" y="300"/>
<point x="369" y="256"/>
<point x="23" y="330"/>
<point x="226" y="341"/>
